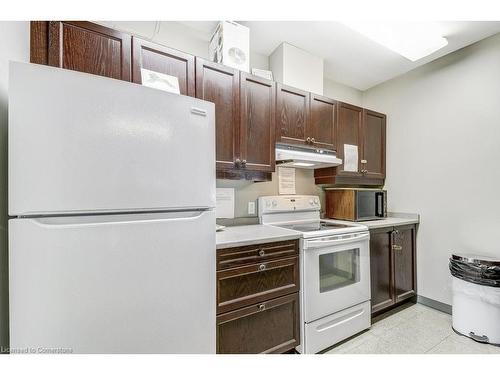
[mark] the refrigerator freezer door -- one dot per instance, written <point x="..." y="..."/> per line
<point x="114" y="283"/>
<point x="83" y="143"/>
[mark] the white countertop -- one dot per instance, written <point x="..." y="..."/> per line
<point x="393" y="219"/>
<point x="243" y="235"/>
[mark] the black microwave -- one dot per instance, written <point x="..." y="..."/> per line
<point x="356" y="204"/>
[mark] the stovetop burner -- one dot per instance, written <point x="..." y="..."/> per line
<point x="313" y="227"/>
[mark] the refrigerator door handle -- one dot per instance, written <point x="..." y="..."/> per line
<point x="98" y="220"/>
<point x="198" y="111"/>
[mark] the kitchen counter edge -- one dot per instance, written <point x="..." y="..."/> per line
<point x="393" y="219"/>
<point x="244" y="235"/>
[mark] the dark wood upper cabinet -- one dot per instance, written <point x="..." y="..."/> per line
<point x="252" y="113"/>
<point x="39" y="42"/>
<point x="158" y="58"/>
<point x="366" y="130"/>
<point x="257" y="128"/>
<point x="322" y="124"/>
<point x="373" y="162"/>
<point x="219" y="84"/>
<point x="90" y="48"/>
<point x="404" y="247"/>
<point x="292" y="115"/>
<point x="348" y="131"/>
<point x="392" y="266"/>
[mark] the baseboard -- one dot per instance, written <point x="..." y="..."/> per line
<point x="434" y="304"/>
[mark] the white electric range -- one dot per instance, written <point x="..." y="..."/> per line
<point x="335" y="270"/>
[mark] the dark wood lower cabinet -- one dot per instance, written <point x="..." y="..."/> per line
<point x="241" y="286"/>
<point x="405" y="278"/>
<point x="392" y="266"/>
<point x="269" y="327"/>
<point x="258" y="298"/>
<point x="381" y="265"/>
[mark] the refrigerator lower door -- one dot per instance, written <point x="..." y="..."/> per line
<point x="82" y="143"/>
<point x="114" y="283"/>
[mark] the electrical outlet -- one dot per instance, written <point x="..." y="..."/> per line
<point x="251" y="208"/>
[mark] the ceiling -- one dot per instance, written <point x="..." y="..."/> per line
<point x="349" y="57"/>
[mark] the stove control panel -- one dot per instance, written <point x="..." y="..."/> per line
<point x="288" y="203"/>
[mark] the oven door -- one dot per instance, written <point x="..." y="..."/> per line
<point x="336" y="273"/>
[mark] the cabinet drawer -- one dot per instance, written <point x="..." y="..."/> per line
<point x="240" y="256"/>
<point x="268" y="327"/>
<point x="243" y="286"/>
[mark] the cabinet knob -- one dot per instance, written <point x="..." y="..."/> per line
<point x="397" y="247"/>
<point x="262" y="307"/>
<point x="364" y="161"/>
<point x="262" y="253"/>
<point x="262" y="267"/>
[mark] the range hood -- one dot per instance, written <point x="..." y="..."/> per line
<point x="305" y="157"/>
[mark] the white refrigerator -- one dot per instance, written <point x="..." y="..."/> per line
<point x="112" y="228"/>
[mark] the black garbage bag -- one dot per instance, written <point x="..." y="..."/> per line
<point x="477" y="271"/>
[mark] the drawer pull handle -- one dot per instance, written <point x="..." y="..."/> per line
<point x="262" y="253"/>
<point x="262" y="307"/>
<point x="397" y="247"/>
<point x="262" y="267"/>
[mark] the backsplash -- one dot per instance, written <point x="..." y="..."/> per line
<point x="247" y="191"/>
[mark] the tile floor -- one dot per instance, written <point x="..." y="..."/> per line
<point x="412" y="329"/>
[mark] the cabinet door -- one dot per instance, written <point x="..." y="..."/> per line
<point x="373" y="144"/>
<point x="243" y="286"/>
<point x="89" y="48"/>
<point x="292" y="115"/>
<point x="257" y="129"/>
<point x="348" y="131"/>
<point x="245" y="255"/>
<point x="404" y="246"/>
<point x="164" y="60"/>
<point x="268" y="327"/>
<point x="381" y="269"/>
<point x="322" y="124"/>
<point x="220" y="85"/>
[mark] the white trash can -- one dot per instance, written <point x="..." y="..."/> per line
<point x="476" y="297"/>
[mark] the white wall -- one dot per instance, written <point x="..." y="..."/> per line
<point x="14" y="45"/>
<point x="443" y="155"/>
<point x="247" y="191"/>
<point x="297" y="68"/>
<point x="342" y="92"/>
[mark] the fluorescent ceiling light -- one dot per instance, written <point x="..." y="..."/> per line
<point x="301" y="164"/>
<point x="412" y="40"/>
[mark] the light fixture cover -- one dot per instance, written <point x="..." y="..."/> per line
<point x="302" y="164"/>
<point x="412" y="40"/>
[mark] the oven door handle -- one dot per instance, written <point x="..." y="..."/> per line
<point x="324" y="243"/>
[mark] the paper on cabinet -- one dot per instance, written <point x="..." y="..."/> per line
<point x="160" y="81"/>
<point x="286" y="180"/>
<point x="350" y="158"/>
<point x="224" y="206"/>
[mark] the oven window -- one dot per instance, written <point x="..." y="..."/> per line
<point x="338" y="269"/>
